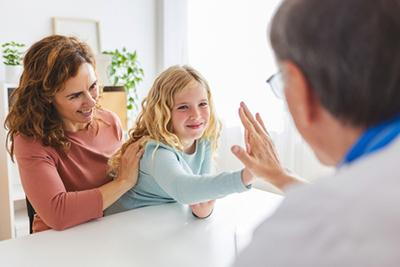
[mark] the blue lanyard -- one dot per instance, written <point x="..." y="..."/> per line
<point x="374" y="139"/>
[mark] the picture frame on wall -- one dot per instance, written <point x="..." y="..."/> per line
<point x="87" y="30"/>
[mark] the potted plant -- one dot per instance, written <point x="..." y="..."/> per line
<point x="12" y="58"/>
<point x="125" y="71"/>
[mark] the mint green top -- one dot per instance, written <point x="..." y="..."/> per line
<point x="167" y="175"/>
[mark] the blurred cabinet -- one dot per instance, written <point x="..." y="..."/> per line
<point x="114" y="98"/>
<point x="13" y="217"/>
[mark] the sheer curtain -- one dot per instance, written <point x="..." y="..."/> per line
<point x="227" y="43"/>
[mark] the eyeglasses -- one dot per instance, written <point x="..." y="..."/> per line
<point x="276" y="84"/>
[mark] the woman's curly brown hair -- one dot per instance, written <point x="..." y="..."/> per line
<point x="48" y="64"/>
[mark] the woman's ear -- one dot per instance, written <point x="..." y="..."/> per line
<point x="300" y="98"/>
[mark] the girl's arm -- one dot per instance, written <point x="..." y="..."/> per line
<point x="203" y="210"/>
<point x="185" y="187"/>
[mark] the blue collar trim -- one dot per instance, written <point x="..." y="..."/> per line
<point x="373" y="139"/>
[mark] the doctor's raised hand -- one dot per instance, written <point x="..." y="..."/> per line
<point x="260" y="156"/>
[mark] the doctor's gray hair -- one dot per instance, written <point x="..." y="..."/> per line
<point x="349" y="52"/>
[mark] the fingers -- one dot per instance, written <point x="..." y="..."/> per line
<point x="247" y="141"/>
<point x="249" y="128"/>
<point x="261" y="122"/>
<point x="132" y="155"/>
<point x="242" y="155"/>
<point x="245" y="120"/>
<point x="140" y="153"/>
<point x="248" y="119"/>
<point x="133" y="148"/>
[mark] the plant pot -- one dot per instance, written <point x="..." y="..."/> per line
<point x="13" y="74"/>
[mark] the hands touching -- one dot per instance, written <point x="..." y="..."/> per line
<point x="203" y="209"/>
<point x="129" y="167"/>
<point x="260" y="156"/>
<point x="127" y="175"/>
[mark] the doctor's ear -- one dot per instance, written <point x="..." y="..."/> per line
<point x="300" y="97"/>
<point x="293" y="76"/>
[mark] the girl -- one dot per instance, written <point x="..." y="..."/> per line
<point x="179" y="130"/>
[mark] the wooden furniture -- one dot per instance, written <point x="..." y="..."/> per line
<point x="114" y="98"/>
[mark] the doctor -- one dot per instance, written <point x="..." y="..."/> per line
<point x="340" y="74"/>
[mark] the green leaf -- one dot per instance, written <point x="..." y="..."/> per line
<point x="11" y="53"/>
<point x="125" y="70"/>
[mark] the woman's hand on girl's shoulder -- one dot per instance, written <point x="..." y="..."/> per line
<point x="129" y="167"/>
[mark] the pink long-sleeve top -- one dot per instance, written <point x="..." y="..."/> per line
<point x="63" y="190"/>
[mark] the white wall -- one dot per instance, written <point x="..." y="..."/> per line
<point x="129" y="23"/>
<point x="230" y="47"/>
<point x="173" y="33"/>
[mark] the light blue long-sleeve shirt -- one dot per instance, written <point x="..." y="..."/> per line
<point x="168" y="175"/>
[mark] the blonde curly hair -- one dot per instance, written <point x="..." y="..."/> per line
<point x="154" y="121"/>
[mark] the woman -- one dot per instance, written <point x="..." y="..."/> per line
<point x="62" y="140"/>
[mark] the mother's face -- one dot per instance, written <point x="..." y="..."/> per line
<point x="75" y="103"/>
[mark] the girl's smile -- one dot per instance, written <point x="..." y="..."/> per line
<point x="195" y="126"/>
<point x="190" y="114"/>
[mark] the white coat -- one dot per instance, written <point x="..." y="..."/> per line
<point x="349" y="219"/>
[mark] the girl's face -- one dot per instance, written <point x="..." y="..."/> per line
<point x="190" y="114"/>
<point x="76" y="102"/>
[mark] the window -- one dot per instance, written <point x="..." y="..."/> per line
<point x="228" y="43"/>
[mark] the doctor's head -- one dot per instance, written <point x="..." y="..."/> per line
<point x="340" y="66"/>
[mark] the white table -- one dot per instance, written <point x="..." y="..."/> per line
<point x="166" y="235"/>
